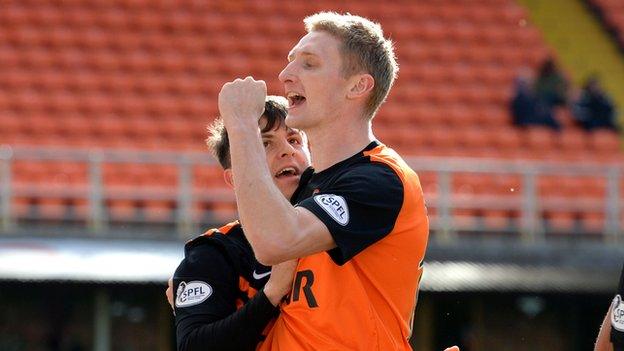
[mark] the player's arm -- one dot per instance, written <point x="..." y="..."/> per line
<point x="239" y="331"/>
<point x="205" y="306"/>
<point x="295" y="231"/>
<point x="602" y="342"/>
<point x="262" y="207"/>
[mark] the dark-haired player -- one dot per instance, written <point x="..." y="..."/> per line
<point x="218" y="291"/>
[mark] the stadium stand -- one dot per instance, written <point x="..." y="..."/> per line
<point x="104" y="171"/>
<point x="133" y="75"/>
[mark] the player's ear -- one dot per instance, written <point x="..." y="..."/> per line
<point x="361" y="85"/>
<point x="228" y="177"/>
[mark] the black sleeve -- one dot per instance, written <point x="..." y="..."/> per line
<point x="359" y="208"/>
<point x="617" y="317"/>
<point x="205" y="292"/>
<point x="242" y="330"/>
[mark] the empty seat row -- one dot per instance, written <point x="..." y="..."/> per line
<point x="144" y="75"/>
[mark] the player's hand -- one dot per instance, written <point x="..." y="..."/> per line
<point x="169" y="292"/>
<point x="452" y="348"/>
<point x="242" y="101"/>
<point x="280" y="282"/>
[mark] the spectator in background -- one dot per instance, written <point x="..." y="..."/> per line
<point x="594" y="109"/>
<point x="527" y="109"/>
<point x="551" y="86"/>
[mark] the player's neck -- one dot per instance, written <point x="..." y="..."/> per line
<point x="336" y="143"/>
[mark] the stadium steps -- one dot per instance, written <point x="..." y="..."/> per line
<point x="583" y="45"/>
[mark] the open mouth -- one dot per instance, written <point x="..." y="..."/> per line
<point x="295" y="99"/>
<point x="286" y="172"/>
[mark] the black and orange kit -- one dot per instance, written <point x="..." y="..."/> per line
<point x="362" y="294"/>
<point x="218" y="298"/>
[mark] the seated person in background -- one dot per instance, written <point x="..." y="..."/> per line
<point x="551" y="86"/>
<point x="218" y="291"/>
<point x="594" y="109"/>
<point x="526" y="109"/>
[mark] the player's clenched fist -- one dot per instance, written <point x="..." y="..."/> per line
<point x="242" y="100"/>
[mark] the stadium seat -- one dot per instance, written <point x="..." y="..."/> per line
<point x="159" y="211"/>
<point x="561" y="222"/>
<point x="605" y="142"/>
<point x="593" y="222"/>
<point x="539" y="138"/>
<point x="121" y="210"/>
<point x="497" y="220"/>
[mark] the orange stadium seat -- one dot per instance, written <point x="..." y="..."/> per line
<point x="593" y="222"/>
<point x="605" y="141"/>
<point x="459" y="115"/>
<point x="539" y="138"/>
<point x="471" y="138"/>
<point x="159" y="211"/>
<point x="429" y="181"/>
<point x="49" y="208"/>
<point x="496" y="219"/>
<point x="208" y="176"/>
<point x="465" y="219"/>
<point x="508" y="139"/>
<point x="573" y="140"/>
<point x="561" y="221"/>
<point x="121" y="210"/>
<point x="470" y="183"/>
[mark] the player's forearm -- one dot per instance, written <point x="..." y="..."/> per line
<point x="239" y="331"/>
<point x="602" y="342"/>
<point x="269" y="220"/>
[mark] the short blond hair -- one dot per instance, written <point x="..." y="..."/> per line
<point x="364" y="49"/>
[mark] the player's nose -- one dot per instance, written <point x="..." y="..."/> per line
<point x="287" y="74"/>
<point x="287" y="149"/>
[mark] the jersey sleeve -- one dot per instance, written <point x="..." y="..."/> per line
<point x="359" y="208"/>
<point x="205" y="287"/>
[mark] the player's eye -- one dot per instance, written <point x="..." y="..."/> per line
<point x="266" y="143"/>
<point x="295" y="141"/>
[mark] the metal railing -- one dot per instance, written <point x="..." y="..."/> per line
<point x="528" y="203"/>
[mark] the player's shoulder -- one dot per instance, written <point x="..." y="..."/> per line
<point x="229" y="238"/>
<point x="372" y="175"/>
<point x="230" y="231"/>
<point x="388" y="157"/>
<point x="377" y="164"/>
<point x="218" y="244"/>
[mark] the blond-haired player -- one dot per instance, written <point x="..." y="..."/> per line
<point x="360" y="225"/>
